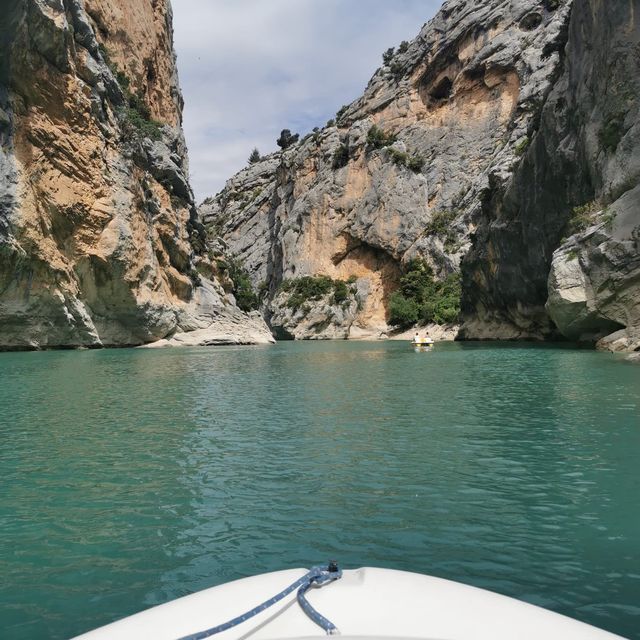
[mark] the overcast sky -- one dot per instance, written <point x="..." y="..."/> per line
<point x="250" y="68"/>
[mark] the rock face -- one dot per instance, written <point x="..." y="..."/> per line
<point x="455" y="110"/>
<point x="578" y="178"/>
<point x="594" y="286"/>
<point x="99" y="239"/>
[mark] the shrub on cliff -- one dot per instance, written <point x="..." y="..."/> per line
<point x="404" y="46"/>
<point x="387" y="56"/>
<point x="340" y="291"/>
<point x="440" y="223"/>
<point x="340" y="157"/>
<point x="246" y="299"/>
<point x="302" y="290"/>
<point x="415" y="163"/>
<point x="402" y="159"/>
<point x="286" y="139"/>
<point x="378" y="139"/>
<point x="341" y="111"/>
<point x="255" y="156"/>
<point x="582" y="217"/>
<point x="136" y="125"/>
<point x="396" y="69"/>
<point x="611" y="132"/>
<point x="135" y="117"/>
<point x="444" y="306"/>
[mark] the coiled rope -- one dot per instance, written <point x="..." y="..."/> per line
<point x="317" y="576"/>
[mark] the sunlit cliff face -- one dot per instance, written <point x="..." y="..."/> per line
<point x="460" y="101"/>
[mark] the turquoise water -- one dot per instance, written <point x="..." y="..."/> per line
<point x="131" y="477"/>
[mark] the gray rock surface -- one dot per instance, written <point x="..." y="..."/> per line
<point x="594" y="284"/>
<point x="583" y="155"/>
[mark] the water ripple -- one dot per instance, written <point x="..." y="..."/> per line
<point x="131" y="477"/>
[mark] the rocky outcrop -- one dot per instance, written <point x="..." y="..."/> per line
<point x="594" y="283"/>
<point x="454" y="111"/>
<point x="99" y="238"/>
<point x="578" y="178"/>
<point x="320" y="317"/>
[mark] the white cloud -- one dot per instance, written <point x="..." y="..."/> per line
<point x="249" y="68"/>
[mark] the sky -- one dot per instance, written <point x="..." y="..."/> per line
<point x="250" y="68"/>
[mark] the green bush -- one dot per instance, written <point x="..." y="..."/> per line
<point x="255" y="156"/>
<point x="582" y="217"/>
<point x="306" y="288"/>
<point x="403" y="311"/>
<point x="572" y="254"/>
<point x="135" y="116"/>
<point x="286" y="139"/>
<point x="397" y="69"/>
<point x="399" y="158"/>
<point x="341" y="111"/>
<point x="387" y="56"/>
<point x="422" y="298"/>
<point x="136" y="124"/>
<point x="242" y="290"/>
<point x="612" y="132"/>
<point x="441" y="221"/>
<point x="415" y="163"/>
<point x="340" y="291"/>
<point x="404" y="46"/>
<point x="402" y="159"/>
<point x="378" y="139"/>
<point x="608" y="218"/>
<point x="341" y="156"/>
<point x="521" y="147"/>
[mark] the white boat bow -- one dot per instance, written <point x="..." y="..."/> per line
<point x="363" y="603"/>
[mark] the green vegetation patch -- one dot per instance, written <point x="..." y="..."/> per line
<point x="341" y="157"/>
<point x="378" y="139"/>
<point x="421" y="298"/>
<point x="582" y="217"/>
<point x="522" y="146"/>
<point x="242" y="290"/>
<point x="302" y="290"/>
<point x="441" y="225"/>
<point x="612" y="132"/>
<point x="137" y="122"/>
<point x="402" y="159"/>
<point x="135" y="115"/>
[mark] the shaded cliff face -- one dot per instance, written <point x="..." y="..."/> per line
<point x="99" y="243"/>
<point x="456" y="110"/>
<point x="573" y="194"/>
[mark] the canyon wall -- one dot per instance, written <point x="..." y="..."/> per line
<point x="556" y="251"/>
<point x="99" y="239"/>
<point x="456" y="107"/>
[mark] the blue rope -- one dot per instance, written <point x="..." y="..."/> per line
<point x="316" y="576"/>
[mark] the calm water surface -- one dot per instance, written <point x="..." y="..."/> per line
<point x="131" y="477"/>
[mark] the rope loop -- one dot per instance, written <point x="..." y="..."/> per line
<point x="316" y="577"/>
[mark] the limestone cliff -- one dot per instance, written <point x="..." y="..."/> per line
<point x="454" y="111"/>
<point x="506" y="147"/>
<point x="99" y="239"/>
<point x="556" y="249"/>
